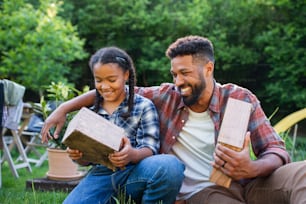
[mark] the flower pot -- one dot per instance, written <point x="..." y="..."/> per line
<point x="61" y="167"/>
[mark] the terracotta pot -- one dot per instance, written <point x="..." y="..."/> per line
<point x="61" y="167"/>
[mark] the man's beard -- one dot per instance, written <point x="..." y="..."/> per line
<point x="197" y="90"/>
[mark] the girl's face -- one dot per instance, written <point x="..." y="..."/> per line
<point x="110" y="82"/>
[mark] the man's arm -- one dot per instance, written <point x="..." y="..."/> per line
<point x="58" y="117"/>
<point x="239" y="165"/>
<point x="267" y="146"/>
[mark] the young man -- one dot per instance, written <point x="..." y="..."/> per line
<point x="191" y="112"/>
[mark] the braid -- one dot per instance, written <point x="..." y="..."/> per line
<point x="131" y="91"/>
<point x="98" y="101"/>
<point x="132" y="82"/>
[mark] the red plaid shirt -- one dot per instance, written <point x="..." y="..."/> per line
<point x="174" y="114"/>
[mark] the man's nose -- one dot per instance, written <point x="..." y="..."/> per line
<point x="178" y="81"/>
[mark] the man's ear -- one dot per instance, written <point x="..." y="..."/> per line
<point x="209" y="69"/>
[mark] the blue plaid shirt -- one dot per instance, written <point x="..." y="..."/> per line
<point x="142" y="126"/>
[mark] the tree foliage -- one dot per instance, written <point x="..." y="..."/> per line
<point x="258" y="44"/>
<point x="283" y="44"/>
<point x="37" y="46"/>
<point x="144" y="28"/>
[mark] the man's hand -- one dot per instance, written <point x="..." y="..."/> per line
<point x="237" y="165"/>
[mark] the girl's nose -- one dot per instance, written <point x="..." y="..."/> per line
<point x="104" y="86"/>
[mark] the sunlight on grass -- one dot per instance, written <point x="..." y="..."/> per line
<point x="14" y="190"/>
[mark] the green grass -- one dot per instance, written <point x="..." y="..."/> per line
<point x="14" y="190"/>
<point x="298" y="152"/>
<point x="296" y="147"/>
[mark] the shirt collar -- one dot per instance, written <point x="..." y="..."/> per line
<point x="214" y="105"/>
<point x="122" y="105"/>
<point x="181" y="105"/>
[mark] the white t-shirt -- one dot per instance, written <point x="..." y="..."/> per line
<point x="195" y="146"/>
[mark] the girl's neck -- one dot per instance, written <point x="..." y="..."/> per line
<point x="110" y="107"/>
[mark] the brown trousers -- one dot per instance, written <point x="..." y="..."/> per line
<point x="287" y="185"/>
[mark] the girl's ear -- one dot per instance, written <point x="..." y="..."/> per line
<point x="126" y="75"/>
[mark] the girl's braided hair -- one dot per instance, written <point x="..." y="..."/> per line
<point x="115" y="55"/>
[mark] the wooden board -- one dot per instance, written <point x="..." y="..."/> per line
<point x="232" y="133"/>
<point x="94" y="136"/>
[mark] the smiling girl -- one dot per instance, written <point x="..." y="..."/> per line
<point x="112" y="68"/>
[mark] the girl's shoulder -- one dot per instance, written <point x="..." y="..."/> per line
<point x="141" y="99"/>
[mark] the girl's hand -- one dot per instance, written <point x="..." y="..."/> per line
<point x="124" y="156"/>
<point x="74" y="154"/>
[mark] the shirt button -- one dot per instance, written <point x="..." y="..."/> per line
<point x="173" y="137"/>
<point x="183" y="121"/>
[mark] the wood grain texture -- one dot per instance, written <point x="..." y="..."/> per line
<point x="232" y="133"/>
<point x="94" y="136"/>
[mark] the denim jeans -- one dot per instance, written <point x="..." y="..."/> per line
<point x="154" y="179"/>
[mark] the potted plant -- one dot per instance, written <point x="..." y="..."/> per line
<point x="61" y="167"/>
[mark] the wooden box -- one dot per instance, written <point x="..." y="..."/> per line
<point x="232" y="133"/>
<point x="94" y="136"/>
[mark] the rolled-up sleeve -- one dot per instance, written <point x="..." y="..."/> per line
<point x="263" y="136"/>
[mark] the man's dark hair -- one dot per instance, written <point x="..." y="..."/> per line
<point x="197" y="46"/>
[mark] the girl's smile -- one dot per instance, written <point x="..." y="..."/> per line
<point x="110" y="82"/>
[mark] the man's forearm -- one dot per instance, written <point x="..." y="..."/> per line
<point x="267" y="164"/>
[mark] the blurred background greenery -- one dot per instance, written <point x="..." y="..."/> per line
<point x="259" y="44"/>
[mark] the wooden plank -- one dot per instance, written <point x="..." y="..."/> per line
<point x="94" y="136"/>
<point x="232" y="133"/>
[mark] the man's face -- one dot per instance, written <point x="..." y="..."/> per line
<point x="189" y="79"/>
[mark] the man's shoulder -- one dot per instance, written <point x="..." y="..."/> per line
<point x="232" y="90"/>
<point x="163" y="88"/>
<point x="231" y="87"/>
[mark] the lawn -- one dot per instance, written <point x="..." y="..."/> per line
<point x="14" y="190"/>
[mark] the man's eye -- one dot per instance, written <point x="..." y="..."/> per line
<point x="184" y="73"/>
